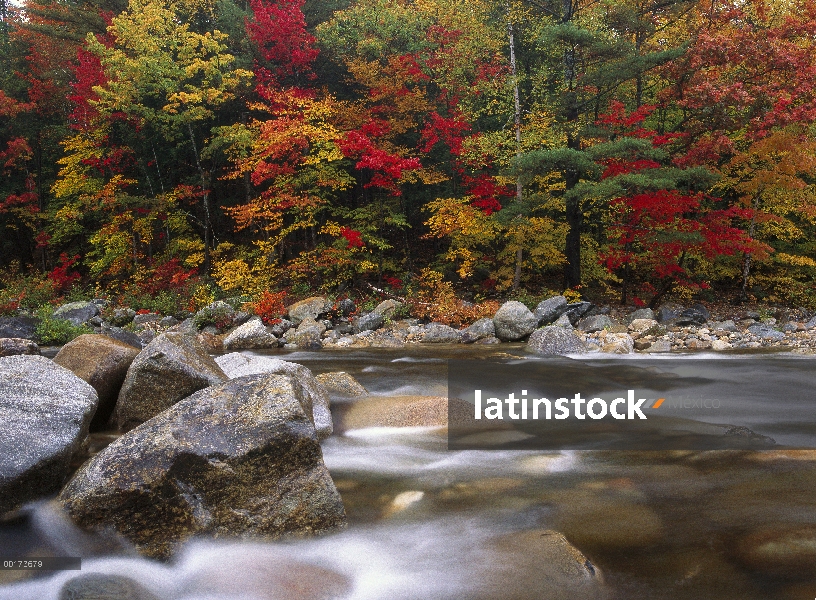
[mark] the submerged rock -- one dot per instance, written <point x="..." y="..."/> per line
<point x="101" y="361"/>
<point x="397" y="411"/>
<point x="170" y="368"/>
<point x="45" y="411"/>
<point x="99" y="586"/>
<point x="341" y="383"/>
<point x="238" y="459"/>
<point x="236" y="364"/>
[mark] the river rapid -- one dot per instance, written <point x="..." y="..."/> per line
<point x="429" y="523"/>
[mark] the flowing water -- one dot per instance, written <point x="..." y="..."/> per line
<point x="428" y="523"/>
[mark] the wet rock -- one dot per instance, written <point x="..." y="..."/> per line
<point x="15" y="346"/>
<point x="252" y="335"/>
<point x="610" y="522"/>
<point x="123" y="335"/>
<point x="341" y="383"/>
<point x="397" y="411"/>
<point x="310" y="307"/>
<point x="18" y="327"/>
<point x="577" y="310"/>
<point x="641" y="313"/>
<point x="555" y="340"/>
<point x="346" y="306"/>
<point x="170" y="368"/>
<point x="100" y="586"/>
<point x="238" y="459"/>
<point x="514" y="321"/>
<point x="45" y="411"/>
<point x="368" y="322"/>
<point x="103" y="362"/>
<point x="122" y="316"/>
<point x="387" y="308"/>
<point x="236" y="364"/>
<point x="77" y="312"/>
<point x="594" y="323"/>
<point x="550" y="309"/>
<point x="437" y="333"/>
<point x="766" y="332"/>
<point x="618" y="343"/>
<point x="481" y="329"/>
<point x="788" y="552"/>
<point x="540" y="563"/>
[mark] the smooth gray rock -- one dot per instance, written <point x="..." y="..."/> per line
<point x="514" y="321"/>
<point x="437" y="333"/>
<point x="668" y="311"/>
<point x="368" y="322"/>
<point x="550" y="309"/>
<point x="252" y="335"/>
<point x="18" y="327"/>
<point x="239" y="460"/>
<point x="77" y="313"/>
<point x="123" y="335"/>
<point x="236" y="364"/>
<point x="168" y="369"/>
<point x="577" y="310"/>
<point x="555" y="340"/>
<point x="15" y="346"/>
<point x="595" y="323"/>
<point x="481" y="329"/>
<point x="766" y="332"/>
<point x="310" y="307"/>
<point x="659" y="346"/>
<point x="45" y="411"/>
<point x="563" y="321"/>
<point x="727" y="325"/>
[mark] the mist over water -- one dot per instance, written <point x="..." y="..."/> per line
<point x="426" y="522"/>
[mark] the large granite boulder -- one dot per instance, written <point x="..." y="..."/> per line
<point x="237" y="460"/>
<point x="555" y="340"/>
<point x="236" y="364"/>
<point x="168" y="369"/>
<point x="18" y="327"/>
<point x="479" y="330"/>
<point x="640" y="313"/>
<point x="438" y="333"/>
<point x="103" y="362"/>
<point x="45" y="411"/>
<point x="514" y="321"/>
<point x="550" y="309"/>
<point x="368" y="322"/>
<point x="310" y="307"/>
<point x="15" y="346"/>
<point x="77" y="312"/>
<point x="252" y="335"/>
<point x="578" y="310"/>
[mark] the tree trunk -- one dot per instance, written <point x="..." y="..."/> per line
<point x="517" y="126"/>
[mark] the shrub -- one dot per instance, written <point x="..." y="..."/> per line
<point x="56" y="332"/>
<point x="269" y="307"/>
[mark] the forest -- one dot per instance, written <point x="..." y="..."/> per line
<point x="168" y="152"/>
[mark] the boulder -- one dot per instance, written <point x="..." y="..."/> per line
<point x="308" y="334"/>
<point x="766" y="332"/>
<point x="123" y="335"/>
<point x="720" y="345"/>
<point x="122" y="316"/>
<point x="697" y="315"/>
<point x="238" y="459"/>
<point x="640" y="313"/>
<point x="341" y="383"/>
<point x="563" y="321"/>
<point x="668" y="311"/>
<point x="659" y="346"/>
<point x="550" y="309"/>
<point x="514" y="321"/>
<point x="437" y="333"/>
<point x="618" y="343"/>
<point x="387" y="308"/>
<point x="15" y="346"/>
<point x="577" y="310"/>
<point x="346" y="306"/>
<point x="397" y="411"/>
<point x="555" y="340"/>
<point x="368" y="322"/>
<point x="18" y="327"/>
<point x="77" y="313"/>
<point x="310" y="307"/>
<point x="642" y="325"/>
<point x="103" y="362"/>
<point x="170" y="368"/>
<point x="280" y="327"/>
<point x="236" y="364"/>
<point x="144" y="318"/>
<point x="595" y="323"/>
<point x="45" y="411"/>
<point x="252" y="335"/>
<point x="481" y="329"/>
<point x="809" y="325"/>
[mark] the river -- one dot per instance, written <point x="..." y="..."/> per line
<point x="429" y="523"/>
